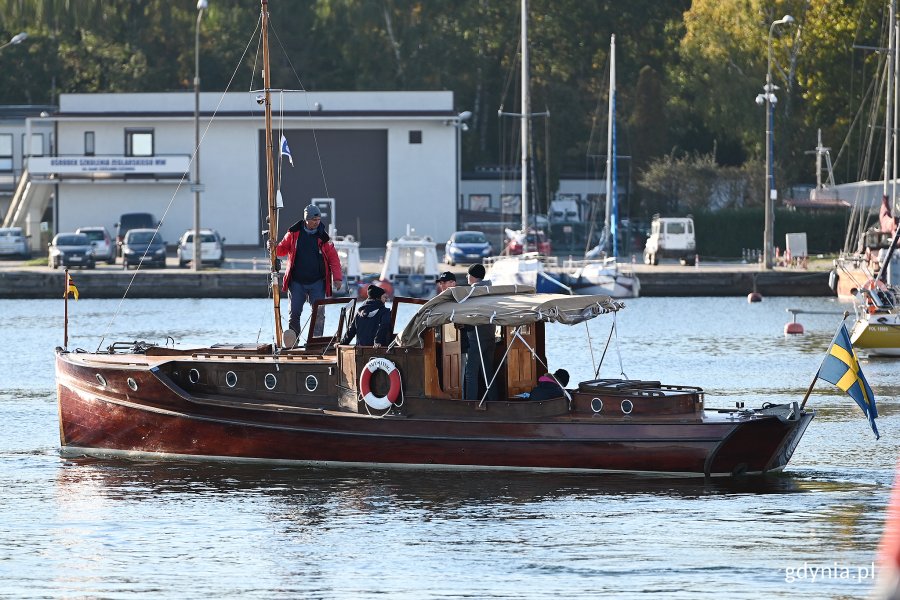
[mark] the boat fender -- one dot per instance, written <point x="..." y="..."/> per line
<point x="365" y="387"/>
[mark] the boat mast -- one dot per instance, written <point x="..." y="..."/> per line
<point x="888" y="112"/>
<point x="270" y="174"/>
<point x="525" y="131"/>
<point x="611" y="200"/>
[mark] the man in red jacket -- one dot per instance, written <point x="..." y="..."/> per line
<point x="313" y="266"/>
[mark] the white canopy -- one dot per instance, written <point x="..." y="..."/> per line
<point x="503" y="305"/>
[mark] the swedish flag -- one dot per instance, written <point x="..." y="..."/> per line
<point x="841" y="367"/>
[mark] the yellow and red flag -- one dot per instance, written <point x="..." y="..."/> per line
<point x="70" y="287"/>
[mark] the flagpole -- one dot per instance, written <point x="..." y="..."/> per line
<point x="66" y="314"/>
<point x="816" y="378"/>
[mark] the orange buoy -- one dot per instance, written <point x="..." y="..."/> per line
<point x="754" y="297"/>
<point x="793" y="328"/>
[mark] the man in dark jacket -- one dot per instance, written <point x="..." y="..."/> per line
<point x="478" y="344"/>
<point x="550" y="386"/>
<point x="372" y="323"/>
<point x="312" y="265"/>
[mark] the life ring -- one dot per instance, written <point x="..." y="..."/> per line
<point x="365" y="388"/>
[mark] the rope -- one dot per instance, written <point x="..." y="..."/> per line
<point x="487" y="383"/>
<point x="605" y="348"/>
<point x="181" y="183"/>
<point x="618" y="349"/>
<point x="591" y="349"/>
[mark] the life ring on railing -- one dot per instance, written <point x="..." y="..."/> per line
<point x="365" y="388"/>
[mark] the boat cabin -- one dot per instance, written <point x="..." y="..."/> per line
<point x="411" y="265"/>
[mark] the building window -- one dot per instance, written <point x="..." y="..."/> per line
<point x="6" y="152"/>
<point x="138" y="142"/>
<point x="415" y="136"/>
<point x="89" y="143"/>
<point x="37" y="145"/>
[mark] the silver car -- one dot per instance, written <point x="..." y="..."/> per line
<point x="13" y="242"/>
<point x="104" y="249"/>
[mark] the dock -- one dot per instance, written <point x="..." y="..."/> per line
<point x="244" y="276"/>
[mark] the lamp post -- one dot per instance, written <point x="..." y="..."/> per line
<point x="16" y="39"/>
<point x="460" y="124"/>
<point x="195" y="262"/>
<point x="768" y="97"/>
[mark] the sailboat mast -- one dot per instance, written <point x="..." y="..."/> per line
<point x="889" y="112"/>
<point x="526" y="115"/>
<point x="611" y="192"/>
<point x="270" y="173"/>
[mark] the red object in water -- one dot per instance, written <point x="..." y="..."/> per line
<point x="793" y="328"/>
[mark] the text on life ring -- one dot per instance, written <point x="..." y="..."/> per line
<point x="365" y="386"/>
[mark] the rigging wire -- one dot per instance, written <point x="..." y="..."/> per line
<point x="181" y="183"/>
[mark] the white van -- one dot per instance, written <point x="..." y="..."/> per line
<point x="671" y="238"/>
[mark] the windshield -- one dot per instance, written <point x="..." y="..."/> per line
<point x="204" y="238"/>
<point x="72" y="240"/>
<point x="95" y="236"/>
<point x="141" y="237"/>
<point x="470" y="238"/>
<point x="13" y="232"/>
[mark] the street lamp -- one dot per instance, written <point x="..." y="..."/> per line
<point x="460" y="124"/>
<point x="195" y="263"/>
<point x="16" y="39"/>
<point x="768" y="97"/>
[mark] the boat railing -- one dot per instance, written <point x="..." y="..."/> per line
<point x="546" y="261"/>
<point x="636" y="387"/>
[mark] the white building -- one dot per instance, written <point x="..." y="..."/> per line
<point x="387" y="158"/>
<point x="17" y="140"/>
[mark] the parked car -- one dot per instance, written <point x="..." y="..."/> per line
<point x="129" y="221"/>
<point x="14" y="242"/>
<point x="467" y="247"/>
<point x="104" y="249"/>
<point x="671" y="237"/>
<point x="71" y="250"/>
<point x="143" y="247"/>
<point x="537" y="242"/>
<point x="212" y="248"/>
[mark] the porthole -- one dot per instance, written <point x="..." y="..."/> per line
<point x="194" y="376"/>
<point x="271" y="381"/>
<point x="132" y="384"/>
<point x="101" y="379"/>
<point x="627" y="406"/>
<point x="596" y="405"/>
<point x="311" y="383"/>
<point x="231" y="379"/>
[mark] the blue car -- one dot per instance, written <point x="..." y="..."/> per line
<point x="467" y="247"/>
<point x="143" y="247"/>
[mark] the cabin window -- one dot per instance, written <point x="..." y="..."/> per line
<point x="6" y="152"/>
<point x="139" y="142"/>
<point x="675" y="228"/>
<point x="411" y="261"/>
<point x="89" y="143"/>
<point x="415" y="136"/>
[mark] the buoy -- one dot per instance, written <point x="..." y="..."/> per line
<point x="754" y="297"/>
<point x="793" y="328"/>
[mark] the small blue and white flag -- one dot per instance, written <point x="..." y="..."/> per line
<point x="286" y="150"/>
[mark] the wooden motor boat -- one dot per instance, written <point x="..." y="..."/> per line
<point x="402" y="405"/>
<point x="322" y="404"/>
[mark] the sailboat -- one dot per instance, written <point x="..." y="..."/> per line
<point x="877" y="297"/>
<point x="401" y="405"/>
<point x="593" y="274"/>
<point x="599" y="272"/>
<point x="865" y="257"/>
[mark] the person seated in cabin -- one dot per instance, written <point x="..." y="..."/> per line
<point x="550" y="386"/>
<point x="371" y="325"/>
